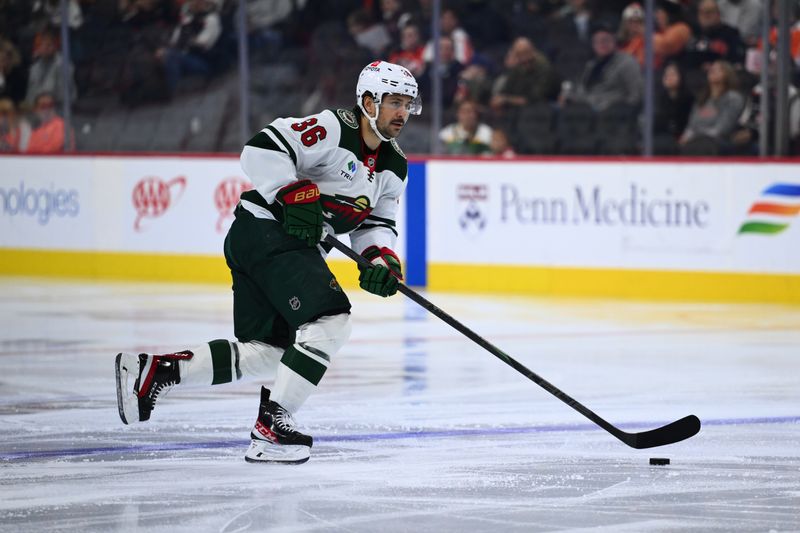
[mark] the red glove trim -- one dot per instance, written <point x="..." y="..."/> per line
<point x="373" y="252"/>
<point x="300" y="192"/>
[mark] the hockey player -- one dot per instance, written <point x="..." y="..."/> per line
<point x="339" y="171"/>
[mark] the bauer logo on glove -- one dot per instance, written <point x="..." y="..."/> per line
<point x="302" y="211"/>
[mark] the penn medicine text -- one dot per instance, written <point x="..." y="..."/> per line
<point x="591" y="206"/>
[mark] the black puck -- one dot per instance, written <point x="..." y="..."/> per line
<point x="659" y="461"/>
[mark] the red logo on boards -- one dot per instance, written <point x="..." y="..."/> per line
<point x="226" y="196"/>
<point x="152" y="196"/>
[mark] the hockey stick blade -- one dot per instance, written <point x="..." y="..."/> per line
<point x="671" y="433"/>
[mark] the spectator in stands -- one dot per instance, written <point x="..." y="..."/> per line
<point x="578" y="14"/>
<point x="529" y="19"/>
<point x="631" y="32"/>
<point x="422" y="13"/>
<point x="368" y="33"/>
<point x="462" y="46"/>
<point x="612" y="77"/>
<point x="713" y="40"/>
<point x="191" y="47"/>
<point x="500" y="145"/>
<point x="15" y="131"/>
<point x="147" y="23"/>
<point x="475" y="84"/>
<point x="526" y="79"/>
<point x="48" y="132"/>
<point x="745" y="16"/>
<point x="46" y="72"/>
<point x="450" y="68"/>
<point x="569" y="38"/>
<point x="673" y="105"/>
<point x="49" y="11"/>
<point x="12" y="73"/>
<point x="467" y="136"/>
<point x="747" y="136"/>
<point x="395" y="17"/>
<point x="411" y="48"/>
<point x="486" y="23"/>
<point x="794" y="32"/>
<point x="141" y="12"/>
<point x="263" y="25"/>
<point x="715" y="114"/>
<point x="671" y="36"/>
<point x="672" y="32"/>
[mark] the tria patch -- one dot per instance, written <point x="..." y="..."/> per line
<point x="350" y="172"/>
<point x="348" y="117"/>
<point x="335" y="285"/>
<point x="294" y="303"/>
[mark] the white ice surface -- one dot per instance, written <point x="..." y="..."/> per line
<point x="416" y="428"/>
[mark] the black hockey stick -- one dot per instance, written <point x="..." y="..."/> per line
<point x="674" y="432"/>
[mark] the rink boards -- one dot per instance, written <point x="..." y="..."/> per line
<point x="668" y="229"/>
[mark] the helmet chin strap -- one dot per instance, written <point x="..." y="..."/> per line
<point x="373" y="121"/>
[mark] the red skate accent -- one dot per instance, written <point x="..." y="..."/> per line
<point x="185" y="354"/>
<point x="144" y="385"/>
<point x="266" y="432"/>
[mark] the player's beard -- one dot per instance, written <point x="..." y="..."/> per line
<point x="387" y="132"/>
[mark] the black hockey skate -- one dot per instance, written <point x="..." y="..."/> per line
<point x="155" y="375"/>
<point x="274" y="437"/>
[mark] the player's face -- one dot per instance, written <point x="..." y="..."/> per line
<point x="393" y="115"/>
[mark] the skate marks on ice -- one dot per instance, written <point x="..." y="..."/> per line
<point x="416" y="430"/>
<point x="533" y="482"/>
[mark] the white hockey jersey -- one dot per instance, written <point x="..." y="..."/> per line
<point x="359" y="189"/>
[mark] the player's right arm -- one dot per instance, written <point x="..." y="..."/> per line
<point x="275" y="160"/>
<point x="278" y="154"/>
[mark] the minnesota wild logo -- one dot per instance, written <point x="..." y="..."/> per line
<point x="348" y="117"/>
<point x="345" y="213"/>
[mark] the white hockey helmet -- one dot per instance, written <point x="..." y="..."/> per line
<point x="380" y="77"/>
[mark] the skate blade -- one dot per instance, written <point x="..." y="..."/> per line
<point x="267" y="452"/>
<point x="127" y="402"/>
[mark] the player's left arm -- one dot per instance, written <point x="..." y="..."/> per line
<point x="376" y="237"/>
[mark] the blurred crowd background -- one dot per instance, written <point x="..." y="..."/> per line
<point x="517" y="77"/>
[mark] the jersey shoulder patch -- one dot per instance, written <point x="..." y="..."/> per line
<point x="348" y="118"/>
<point x="350" y="136"/>
<point x="393" y="160"/>
<point x="397" y="148"/>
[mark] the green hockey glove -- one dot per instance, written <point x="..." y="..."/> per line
<point x="384" y="257"/>
<point x="378" y="280"/>
<point x="382" y="278"/>
<point x="302" y="211"/>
